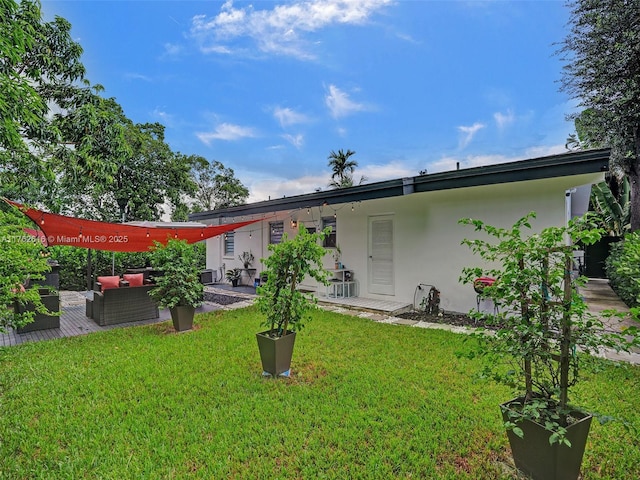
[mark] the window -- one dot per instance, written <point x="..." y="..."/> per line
<point x="229" y="243"/>
<point x="310" y="229"/>
<point x="276" y="229"/>
<point x="330" y="241"/>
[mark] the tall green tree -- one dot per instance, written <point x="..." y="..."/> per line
<point x="342" y="169"/>
<point x="217" y="185"/>
<point x="602" y="51"/>
<point x="38" y="72"/>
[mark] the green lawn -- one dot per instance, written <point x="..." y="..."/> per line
<point x="366" y="400"/>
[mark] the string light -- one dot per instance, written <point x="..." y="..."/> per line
<point x="147" y="233"/>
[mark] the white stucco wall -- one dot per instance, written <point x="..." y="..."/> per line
<point x="427" y="237"/>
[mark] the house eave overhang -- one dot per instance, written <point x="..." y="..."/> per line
<point x="561" y="165"/>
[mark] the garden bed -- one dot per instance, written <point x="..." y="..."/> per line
<point x="448" y="318"/>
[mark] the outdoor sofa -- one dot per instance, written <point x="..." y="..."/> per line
<point x="119" y="301"/>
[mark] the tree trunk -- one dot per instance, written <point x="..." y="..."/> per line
<point x="634" y="183"/>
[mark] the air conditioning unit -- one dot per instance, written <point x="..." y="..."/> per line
<point x="208" y="276"/>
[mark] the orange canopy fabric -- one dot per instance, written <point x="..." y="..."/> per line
<point x="116" y="237"/>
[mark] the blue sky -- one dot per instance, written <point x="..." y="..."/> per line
<point x="269" y="88"/>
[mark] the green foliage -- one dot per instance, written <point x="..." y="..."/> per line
<point x="602" y="72"/>
<point x="543" y="321"/>
<point x="342" y="169"/>
<point x="38" y="73"/>
<point x="217" y="186"/>
<point x="246" y="258"/>
<point x="623" y="269"/>
<point x="22" y="264"/>
<point x="289" y="263"/>
<point x="614" y="213"/>
<point x="233" y="274"/>
<point x="179" y="284"/>
<point x="73" y="263"/>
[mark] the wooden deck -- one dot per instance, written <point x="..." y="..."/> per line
<point x="73" y="320"/>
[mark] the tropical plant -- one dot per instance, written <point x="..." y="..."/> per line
<point x="543" y="320"/>
<point x="233" y="274"/>
<point x="179" y="284"/>
<point x="337" y="253"/>
<point x="342" y="169"/>
<point x="623" y="269"/>
<point x="22" y="261"/>
<point x="290" y="262"/>
<point x="614" y="212"/>
<point x="602" y="72"/>
<point x="246" y="258"/>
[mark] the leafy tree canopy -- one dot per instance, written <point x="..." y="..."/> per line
<point x="217" y="186"/>
<point x="602" y="51"/>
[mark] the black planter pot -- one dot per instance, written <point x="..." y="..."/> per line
<point x="42" y="322"/>
<point x="535" y="457"/>
<point x="276" y="352"/>
<point x="182" y="317"/>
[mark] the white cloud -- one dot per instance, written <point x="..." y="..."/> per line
<point x="137" y="76"/>
<point x="281" y="29"/>
<point x="503" y="120"/>
<point x="381" y="172"/>
<point x="263" y="188"/>
<point x="226" y="131"/>
<point x="295" y="140"/>
<point x="172" y="50"/>
<point x="339" y="103"/>
<point x="469" y="133"/>
<point x="164" y="117"/>
<point x="287" y="117"/>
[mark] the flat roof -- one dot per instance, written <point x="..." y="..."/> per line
<point x="553" y="166"/>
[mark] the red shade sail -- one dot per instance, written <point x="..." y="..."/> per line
<point x="116" y="237"/>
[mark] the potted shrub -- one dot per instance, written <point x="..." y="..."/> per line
<point x="233" y="276"/>
<point x="284" y="306"/>
<point x="543" y="322"/>
<point x="247" y="259"/>
<point x="178" y="288"/>
<point x="337" y="254"/>
<point x="22" y="263"/>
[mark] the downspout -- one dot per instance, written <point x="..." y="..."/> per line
<point x="567" y="211"/>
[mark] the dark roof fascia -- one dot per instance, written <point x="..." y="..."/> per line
<point x="566" y="164"/>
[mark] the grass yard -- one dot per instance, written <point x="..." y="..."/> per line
<point x="366" y="400"/>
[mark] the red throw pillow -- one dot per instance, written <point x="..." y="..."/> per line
<point x="109" y="282"/>
<point x="134" y="279"/>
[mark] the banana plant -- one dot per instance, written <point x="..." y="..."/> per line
<point x="615" y="213"/>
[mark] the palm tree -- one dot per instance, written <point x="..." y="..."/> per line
<point x="342" y="169"/>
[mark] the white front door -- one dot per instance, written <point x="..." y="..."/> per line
<point x="380" y="271"/>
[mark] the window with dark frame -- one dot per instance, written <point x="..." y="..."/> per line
<point x="229" y="243"/>
<point x="330" y="240"/>
<point x="276" y="230"/>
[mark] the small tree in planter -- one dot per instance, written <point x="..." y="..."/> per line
<point x="22" y="261"/>
<point x="544" y="323"/>
<point x="279" y="299"/>
<point x="179" y="288"/>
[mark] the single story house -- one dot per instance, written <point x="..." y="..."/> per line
<point x="397" y="234"/>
